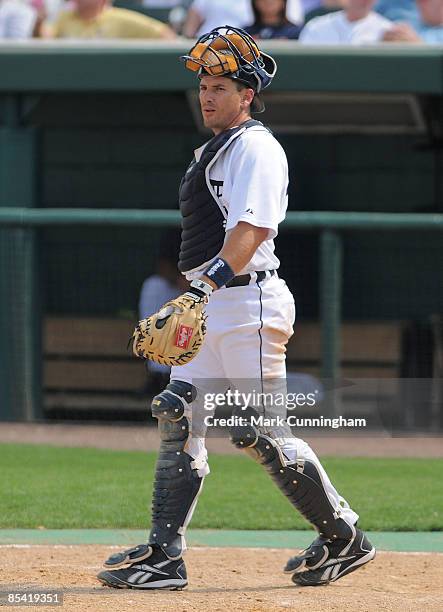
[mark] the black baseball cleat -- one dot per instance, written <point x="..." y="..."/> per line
<point x="326" y="561"/>
<point x="147" y="567"/>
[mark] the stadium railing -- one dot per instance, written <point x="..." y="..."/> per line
<point x="331" y="225"/>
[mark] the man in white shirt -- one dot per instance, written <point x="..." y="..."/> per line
<point x="17" y="19"/>
<point x="357" y="24"/>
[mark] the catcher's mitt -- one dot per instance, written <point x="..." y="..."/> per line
<point x="174" y="335"/>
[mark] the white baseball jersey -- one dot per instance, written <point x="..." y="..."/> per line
<point x="249" y="326"/>
<point x="336" y="29"/>
<point x="249" y="182"/>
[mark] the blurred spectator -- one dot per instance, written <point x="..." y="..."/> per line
<point x="310" y="5"/>
<point x="178" y="11"/>
<point x="48" y="11"/>
<point x="17" y="19"/>
<point x="97" y="19"/>
<point x="357" y="24"/>
<point x="318" y="8"/>
<point x="55" y="7"/>
<point x="165" y="284"/>
<point x="314" y="5"/>
<point x="429" y="28"/>
<point x="398" y="10"/>
<point x="204" y="15"/>
<point x="160" y="3"/>
<point x="295" y="12"/>
<point x="271" y="20"/>
<point x="40" y="10"/>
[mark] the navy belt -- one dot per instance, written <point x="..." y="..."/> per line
<point x="245" y="279"/>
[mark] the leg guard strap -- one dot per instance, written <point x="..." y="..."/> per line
<point x="244" y="434"/>
<point x="127" y="557"/>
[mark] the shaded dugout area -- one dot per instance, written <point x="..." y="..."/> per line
<point x="128" y="147"/>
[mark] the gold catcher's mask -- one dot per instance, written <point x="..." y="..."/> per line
<point x="231" y="52"/>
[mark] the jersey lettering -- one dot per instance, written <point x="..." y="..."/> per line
<point x="218" y="187"/>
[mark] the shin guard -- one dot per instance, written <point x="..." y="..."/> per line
<point x="299" y="481"/>
<point x="178" y="480"/>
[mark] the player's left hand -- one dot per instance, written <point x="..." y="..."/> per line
<point x="174" y="335"/>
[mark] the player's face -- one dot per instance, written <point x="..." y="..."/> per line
<point x="222" y="105"/>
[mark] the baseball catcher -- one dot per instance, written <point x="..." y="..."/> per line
<point x="232" y="199"/>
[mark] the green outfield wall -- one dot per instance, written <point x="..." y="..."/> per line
<point x="110" y="126"/>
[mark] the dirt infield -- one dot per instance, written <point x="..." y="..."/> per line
<point x="145" y="438"/>
<point x="228" y="578"/>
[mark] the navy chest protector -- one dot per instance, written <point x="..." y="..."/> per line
<point x="203" y="221"/>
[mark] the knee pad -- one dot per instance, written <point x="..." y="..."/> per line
<point x="177" y="482"/>
<point x="170" y="404"/>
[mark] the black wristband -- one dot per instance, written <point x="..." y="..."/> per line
<point x="220" y="272"/>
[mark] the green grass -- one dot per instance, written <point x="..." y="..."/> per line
<point x="42" y="486"/>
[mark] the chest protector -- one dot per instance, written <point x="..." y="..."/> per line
<point x="203" y="217"/>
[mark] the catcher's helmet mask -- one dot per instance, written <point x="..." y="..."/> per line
<point x="232" y="53"/>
